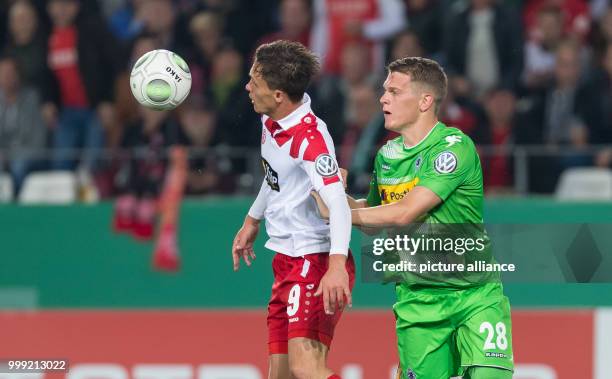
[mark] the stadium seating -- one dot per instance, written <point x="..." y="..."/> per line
<point x="6" y="188"/>
<point x="585" y="183"/>
<point x="54" y="187"/>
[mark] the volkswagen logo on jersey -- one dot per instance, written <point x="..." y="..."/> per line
<point x="326" y="165"/>
<point x="271" y="175"/>
<point x="446" y="162"/>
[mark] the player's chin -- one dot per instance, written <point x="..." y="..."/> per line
<point x="390" y="125"/>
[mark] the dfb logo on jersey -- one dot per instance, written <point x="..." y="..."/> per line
<point x="271" y="175"/>
<point x="446" y="162"/>
<point x="326" y="165"/>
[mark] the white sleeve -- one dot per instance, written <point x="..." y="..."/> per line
<point x="391" y="20"/>
<point x="259" y="205"/>
<point x="318" y="161"/>
<point x="339" y="217"/>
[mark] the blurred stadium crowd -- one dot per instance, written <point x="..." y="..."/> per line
<point x="532" y="73"/>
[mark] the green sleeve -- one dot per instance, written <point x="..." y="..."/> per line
<point x="373" y="196"/>
<point x="448" y="167"/>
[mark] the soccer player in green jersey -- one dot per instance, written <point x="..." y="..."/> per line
<point x="431" y="173"/>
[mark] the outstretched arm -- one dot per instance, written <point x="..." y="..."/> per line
<point x="416" y="203"/>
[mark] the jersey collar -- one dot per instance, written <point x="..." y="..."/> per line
<point x="294" y="118"/>
<point x="424" y="138"/>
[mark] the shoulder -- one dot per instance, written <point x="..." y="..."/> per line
<point x="310" y="138"/>
<point x="453" y="149"/>
<point x="455" y="140"/>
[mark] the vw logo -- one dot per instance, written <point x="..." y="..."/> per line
<point x="446" y="162"/>
<point x="326" y="165"/>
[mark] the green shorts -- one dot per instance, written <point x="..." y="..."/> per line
<point x="443" y="332"/>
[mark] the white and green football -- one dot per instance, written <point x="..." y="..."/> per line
<point x="160" y="80"/>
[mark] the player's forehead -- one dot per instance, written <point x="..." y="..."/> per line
<point x="397" y="80"/>
<point x="255" y="71"/>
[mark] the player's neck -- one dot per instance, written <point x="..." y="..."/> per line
<point x="415" y="133"/>
<point x="284" y="110"/>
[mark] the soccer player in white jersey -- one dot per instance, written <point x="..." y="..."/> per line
<point x="313" y="270"/>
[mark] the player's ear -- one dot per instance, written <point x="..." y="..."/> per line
<point x="279" y="96"/>
<point x="427" y="101"/>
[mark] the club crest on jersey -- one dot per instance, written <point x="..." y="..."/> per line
<point x="326" y="165"/>
<point x="271" y="175"/>
<point x="417" y="163"/>
<point x="410" y="374"/>
<point x="446" y="162"/>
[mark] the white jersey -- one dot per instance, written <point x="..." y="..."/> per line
<point x="297" y="155"/>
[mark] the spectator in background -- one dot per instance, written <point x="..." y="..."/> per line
<point x="22" y="130"/>
<point x="83" y="59"/>
<point x="549" y="117"/>
<point x="426" y="18"/>
<point x="158" y="18"/>
<point x="540" y="50"/>
<point x="295" y="18"/>
<point x="595" y="107"/>
<point x="365" y="134"/>
<point x="244" y="21"/>
<point x="406" y="44"/>
<point x="141" y="177"/>
<point x="483" y="48"/>
<point x="576" y="20"/>
<point x="332" y="93"/>
<point x="560" y="124"/>
<point x="226" y="95"/>
<point x="27" y="44"/>
<point x="362" y="107"/>
<point x="602" y="35"/>
<point x="341" y="22"/>
<point x="500" y="107"/>
<point x="206" y="30"/>
<point x="467" y="115"/>
<point x="125" y="21"/>
<point x="126" y="107"/>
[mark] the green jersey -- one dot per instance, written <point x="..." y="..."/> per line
<point x="442" y="319"/>
<point x="447" y="163"/>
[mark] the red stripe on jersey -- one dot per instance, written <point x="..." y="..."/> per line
<point x="316" y="142"/>
<point x="330" y="180"/>
<point x="280" y="135"/>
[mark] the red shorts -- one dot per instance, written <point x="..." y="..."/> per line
<point x="293" y="310"/>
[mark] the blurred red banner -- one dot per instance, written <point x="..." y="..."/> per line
<point x="232" y="344"/>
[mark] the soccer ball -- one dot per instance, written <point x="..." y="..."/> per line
<point x="160" y="80"/>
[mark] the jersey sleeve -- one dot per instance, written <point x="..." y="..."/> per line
<point x="373" y="198"/>
<point x="316" y="156"/>
<point x="448" y="167"/>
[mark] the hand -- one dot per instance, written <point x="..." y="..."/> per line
<point x="344" y="174"/>
<point x="335" y="285"/>
<point x="323" y="211"/>
<point x="243" y="242"/>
